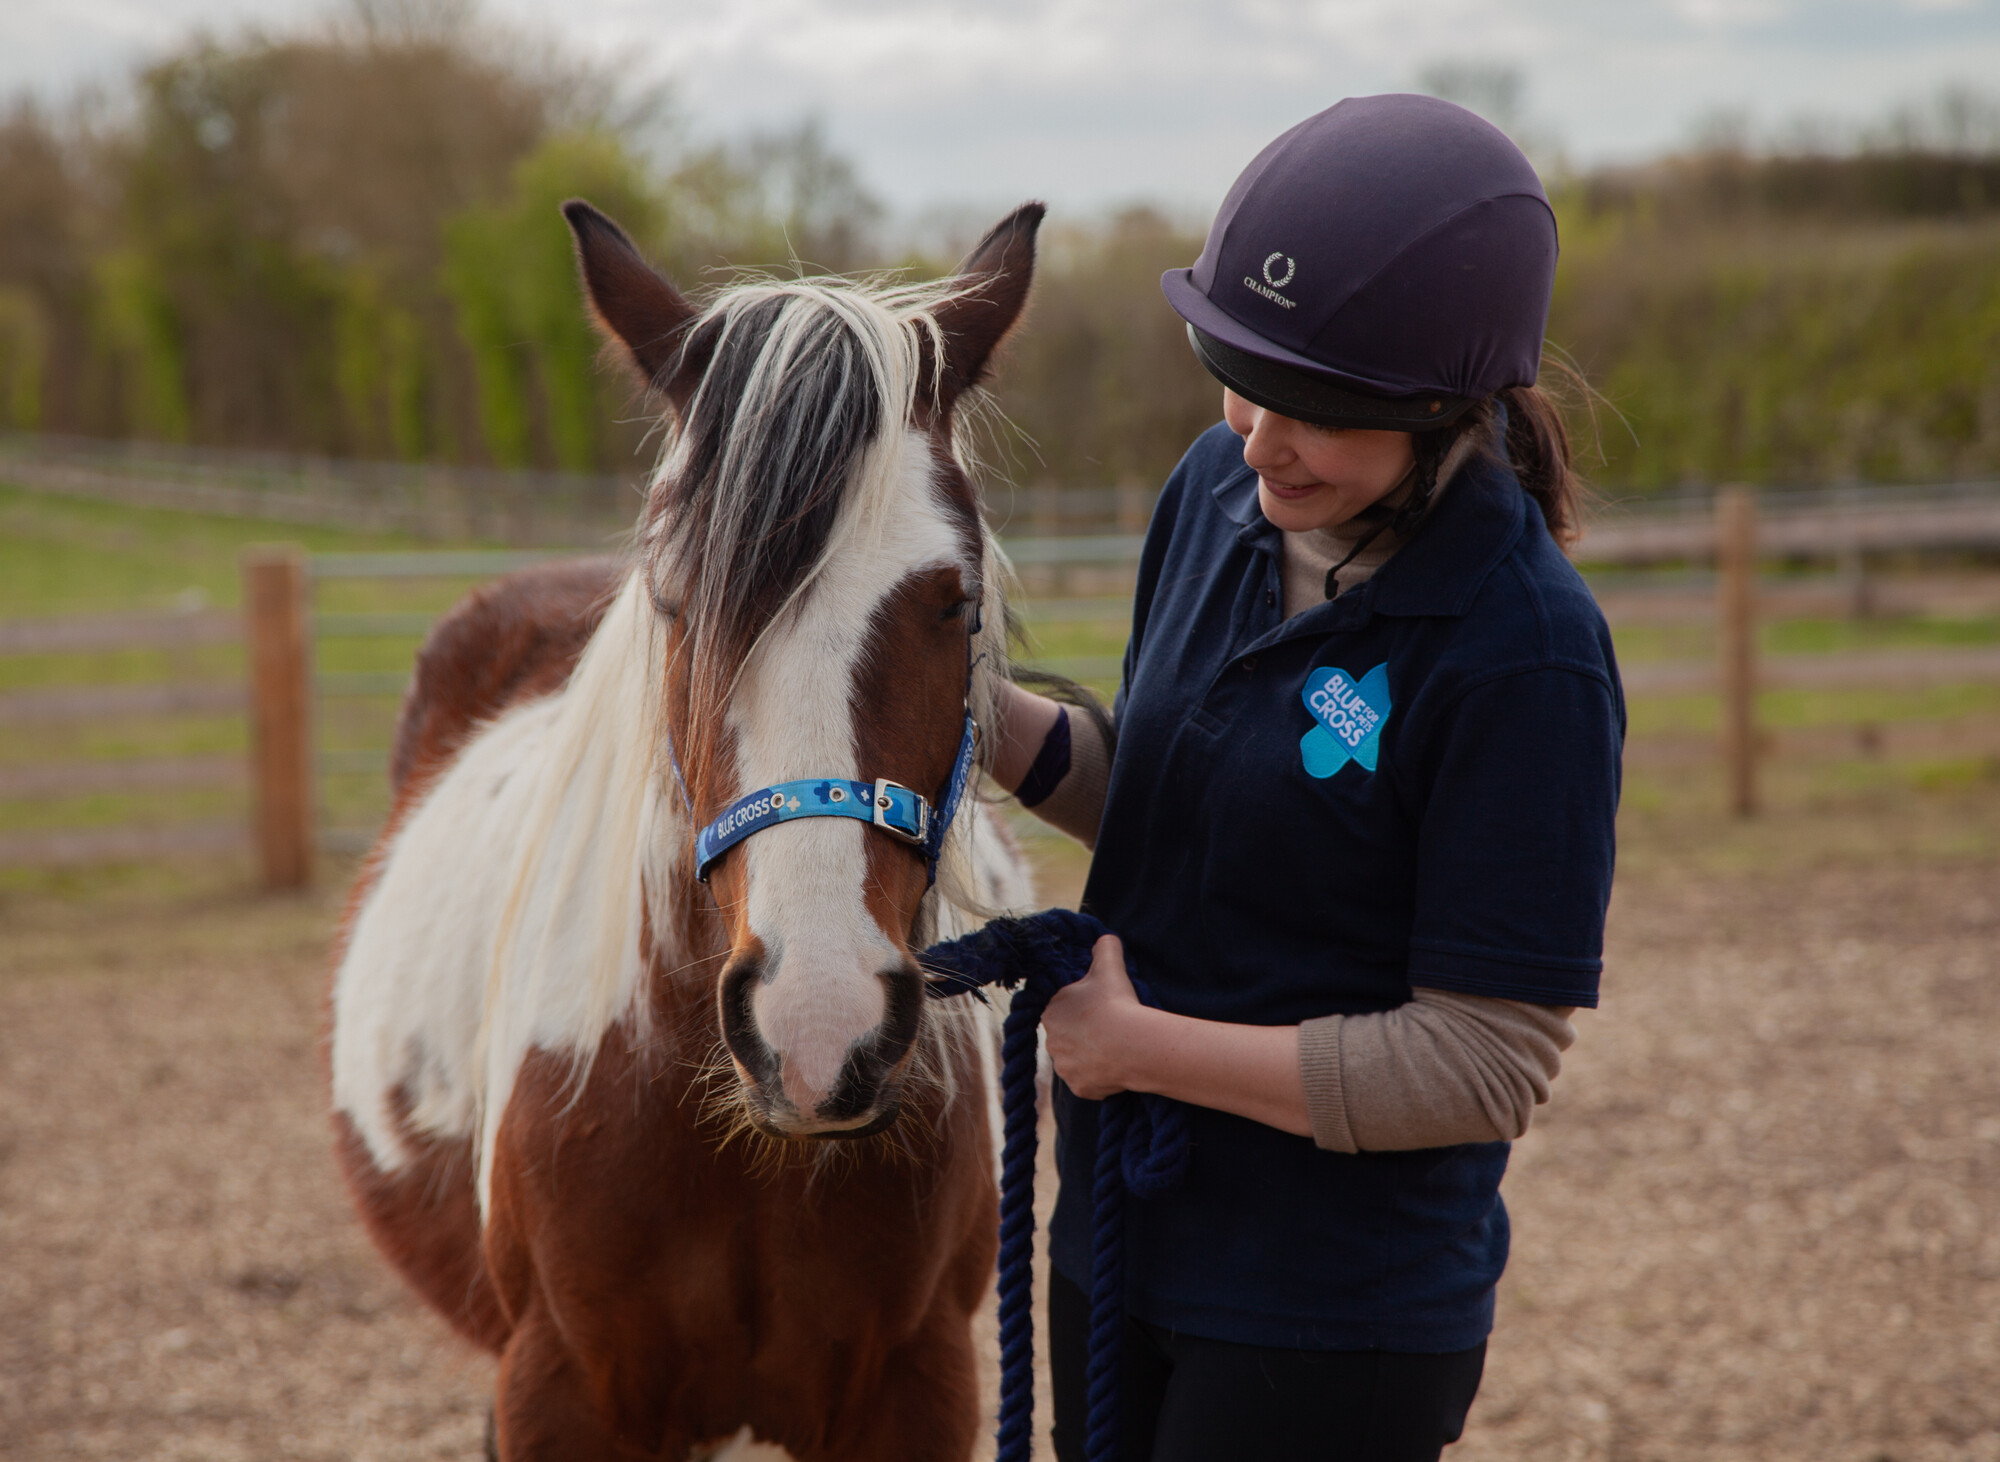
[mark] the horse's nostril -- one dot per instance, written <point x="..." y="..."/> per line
<point x="869" y="1072"/>
<point x="902" y="1005"/>
<point x="821" y="1053"/>
<point x="739" y="1023"/>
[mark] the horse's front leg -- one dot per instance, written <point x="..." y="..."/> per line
<point x="927" y="1406"/>
<point x="544" y="1408"/>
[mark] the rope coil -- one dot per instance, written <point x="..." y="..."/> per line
<point x="1142" y="1148"/>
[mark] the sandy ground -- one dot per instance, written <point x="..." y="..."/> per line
<point x="1760" y="1220"/>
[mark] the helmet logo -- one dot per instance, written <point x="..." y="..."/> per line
<point x="1272" y="282"/>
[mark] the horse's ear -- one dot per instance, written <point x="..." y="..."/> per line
<point x="632" y="303"/>
<point x="992" y="287"/>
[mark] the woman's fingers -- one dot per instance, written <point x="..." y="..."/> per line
<point x="1085" y="1026"/>
<point x="1107" y="957"/>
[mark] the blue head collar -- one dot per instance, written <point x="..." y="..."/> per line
<point x="894" y="808"/>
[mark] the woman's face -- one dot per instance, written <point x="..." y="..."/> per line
<point x="1315" y="476"/>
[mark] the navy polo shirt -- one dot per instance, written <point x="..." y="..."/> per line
<point x="1414" y="784"/>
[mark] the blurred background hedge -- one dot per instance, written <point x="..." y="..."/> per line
<point x="346" y="243"/>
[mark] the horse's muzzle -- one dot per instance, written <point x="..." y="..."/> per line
<point x="779" y="1093"/>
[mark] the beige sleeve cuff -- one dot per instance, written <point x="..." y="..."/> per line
<point x="1443" y="1069"/>
<point x="1319" y="1068"/>
<point x="1076" y="806"/>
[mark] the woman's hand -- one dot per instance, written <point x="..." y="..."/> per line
<point x="1096" y="1028"/>
<point x="1103" y="1041"/>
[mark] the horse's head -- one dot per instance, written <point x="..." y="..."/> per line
<point x="815" y="550"/>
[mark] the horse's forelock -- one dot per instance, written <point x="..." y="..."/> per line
<point x="798" y="383"/>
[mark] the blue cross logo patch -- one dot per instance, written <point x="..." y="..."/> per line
<point x="1347" y="719"/>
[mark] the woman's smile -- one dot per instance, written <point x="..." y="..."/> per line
<point x="1314" y="477"/>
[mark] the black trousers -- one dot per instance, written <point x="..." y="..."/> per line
<point x="1186" y="1399"/>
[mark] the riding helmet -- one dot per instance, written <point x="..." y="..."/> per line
<point x="1384" y="264"/>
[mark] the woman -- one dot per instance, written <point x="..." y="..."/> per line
<point x="1356" y="832"/>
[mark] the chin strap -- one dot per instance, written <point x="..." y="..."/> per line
<point x="1409" y="513"/>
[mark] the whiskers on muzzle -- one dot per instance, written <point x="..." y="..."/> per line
<point x="816" y="1057"/>
<point x="903" y="1135"/>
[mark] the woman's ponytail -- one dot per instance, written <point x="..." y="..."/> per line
<point x="1538" y="450"/>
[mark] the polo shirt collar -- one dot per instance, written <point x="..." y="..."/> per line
<point x="1478" y="518"/>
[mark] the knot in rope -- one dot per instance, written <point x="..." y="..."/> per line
<point x="1142" y="1148"/>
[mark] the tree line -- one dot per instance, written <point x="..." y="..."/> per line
<point x="347" y="243"/>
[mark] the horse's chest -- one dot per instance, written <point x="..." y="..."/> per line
<point x="619" y="1208"/>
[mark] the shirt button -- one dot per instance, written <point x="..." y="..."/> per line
<point x="1250" y="664"/>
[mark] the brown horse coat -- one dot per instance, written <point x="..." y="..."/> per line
<point x="571" y="1084"/>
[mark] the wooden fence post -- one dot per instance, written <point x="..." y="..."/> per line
<point x="1736" y="624"/>
<point x="274" y="635"/>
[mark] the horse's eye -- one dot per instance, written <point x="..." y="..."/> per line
<point x="956" y="611"/>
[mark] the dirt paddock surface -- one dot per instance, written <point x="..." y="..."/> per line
<point x="1760" y="1220"/>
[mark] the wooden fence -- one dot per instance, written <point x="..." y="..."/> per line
<point x="58" y="711"/>
<point x="1082" y="579"/>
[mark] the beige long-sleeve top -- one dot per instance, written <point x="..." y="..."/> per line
<point x="1444" y="1068"/>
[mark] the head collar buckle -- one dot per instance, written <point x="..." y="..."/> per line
<point x="900" y="812"/>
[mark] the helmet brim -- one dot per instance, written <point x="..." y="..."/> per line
<point x="1309" y="397"/>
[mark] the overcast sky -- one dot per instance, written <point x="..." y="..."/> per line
<point x="1090" y="103"/>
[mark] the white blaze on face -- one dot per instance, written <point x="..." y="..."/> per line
<point x="821" y="990"/>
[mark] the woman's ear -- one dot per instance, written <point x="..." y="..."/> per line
<point x="992" y="288"/>
<point x="633" y="304"/>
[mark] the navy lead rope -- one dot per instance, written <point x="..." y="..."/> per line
<point x="1142" y="1148"/>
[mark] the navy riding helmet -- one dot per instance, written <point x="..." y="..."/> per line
<point x="1385" y="264"/>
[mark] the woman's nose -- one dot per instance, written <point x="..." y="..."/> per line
<point x="1268" y="445"/>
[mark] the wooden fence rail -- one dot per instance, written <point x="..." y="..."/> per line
<point x="281" y="695"/>
<point x="70" y="633"/>
<point x="74" y="703"/>
<point x="1820" y="531"/>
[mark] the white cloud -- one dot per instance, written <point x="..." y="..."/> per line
<point x="1714" y="15"/>
<point x="1090" y="102"/>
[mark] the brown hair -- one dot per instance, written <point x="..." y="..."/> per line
<point x="1538" y="447"/>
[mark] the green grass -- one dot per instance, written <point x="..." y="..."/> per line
<point x="62" y="555"/>
<point x="1804" y="709"/>
<point x="148" y="736"/>
<point x="1826" y="636"/>
<point x="118" y="809"/>
<point x="1813" y="814"/>
<point x="121" y="667"/>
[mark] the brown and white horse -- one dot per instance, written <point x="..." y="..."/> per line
<point x="575" y="1089"/>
